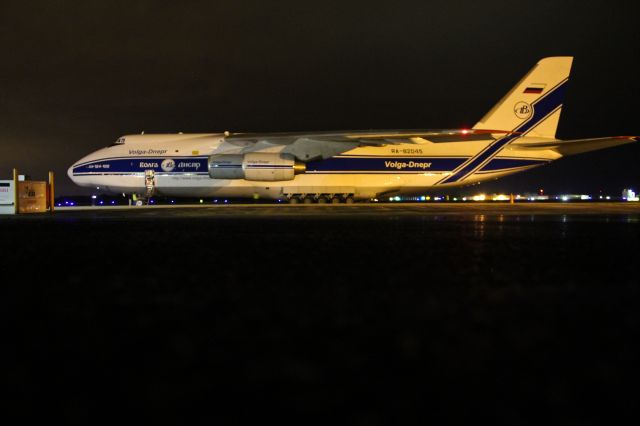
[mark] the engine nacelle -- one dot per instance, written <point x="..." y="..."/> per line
<point x="259" y="166"/>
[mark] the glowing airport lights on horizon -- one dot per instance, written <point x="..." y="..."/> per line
<point x="629" y="195"/>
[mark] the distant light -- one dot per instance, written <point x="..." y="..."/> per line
<point x="608" y="197"/>
<point x="152" y="202"/>
<point x="428" y="198"/>
<point x="423" y="198"/>
<point x="397" y="198"/>
<point x="479" y="197"/>
<point x="629" y="195"/>
<point x="93" y="197"/>
<point x="201" y="201"/>
<point x="72" y="203"/>
<point x="113" y="202"/>
<point x="465" y="131"/>
<point x="437" y="198"/>
<point x="500" y="197"/>
<point x="226" y="201"/>
<point x="585" y="197"/>
<point x="101" y="202"/>
<point x="172" y="201"/>
<point x="565" y="198"/>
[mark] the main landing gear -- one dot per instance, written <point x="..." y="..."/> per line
<point x="321" y="198"/>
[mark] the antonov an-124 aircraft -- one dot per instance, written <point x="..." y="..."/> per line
<point x="517" y="134"/>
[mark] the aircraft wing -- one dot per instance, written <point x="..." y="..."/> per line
<point x="578" y="146"/>
<point x="314" y="145"/>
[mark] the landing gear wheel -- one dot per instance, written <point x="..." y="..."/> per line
<point x="349" y="200"/>
<point x="336" y="200"/>
<point x="294" y="200"/>
<point x="308" y="200"/>
<point x="322" y="200"/>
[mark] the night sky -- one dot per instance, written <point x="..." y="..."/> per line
<point x="75" y="75"/>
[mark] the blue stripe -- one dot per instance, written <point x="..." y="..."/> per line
<point x="138" y="174"/>
<point x="541" y="109"/>
<point x="384" y="164"/>
<point x="268" y="166"/>
<point x="140" y="164"/>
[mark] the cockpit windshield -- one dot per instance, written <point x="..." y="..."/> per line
<point x="119" y="141"/>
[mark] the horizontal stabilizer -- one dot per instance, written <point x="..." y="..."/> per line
<point x="577" y="146"/>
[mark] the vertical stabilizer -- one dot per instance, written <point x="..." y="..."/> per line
<point x="517" y="109"/>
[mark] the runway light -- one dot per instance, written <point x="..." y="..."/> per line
<point x="113" y="202"/>
<point x="101" y="202"/>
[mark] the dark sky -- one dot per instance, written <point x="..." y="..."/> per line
<point x="75" y="75"/>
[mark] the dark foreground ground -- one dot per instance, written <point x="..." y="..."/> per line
<point x="359" y="315"/>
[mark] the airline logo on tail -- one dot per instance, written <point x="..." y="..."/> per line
<point x="523" y="110"/>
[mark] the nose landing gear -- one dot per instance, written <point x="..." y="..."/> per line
<point x="150" y="187"/>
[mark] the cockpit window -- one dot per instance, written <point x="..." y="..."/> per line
<point x="119" y="141"/>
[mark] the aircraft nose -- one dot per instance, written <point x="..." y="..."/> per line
<point x="70" y="172"/>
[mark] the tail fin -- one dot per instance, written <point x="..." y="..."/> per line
<point x="533" y="106"/>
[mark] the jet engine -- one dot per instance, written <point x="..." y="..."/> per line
<point x="258" y="166"/>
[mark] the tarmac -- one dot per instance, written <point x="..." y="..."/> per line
<point x="364" y="314"/>
<point x="467" y="210"/>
